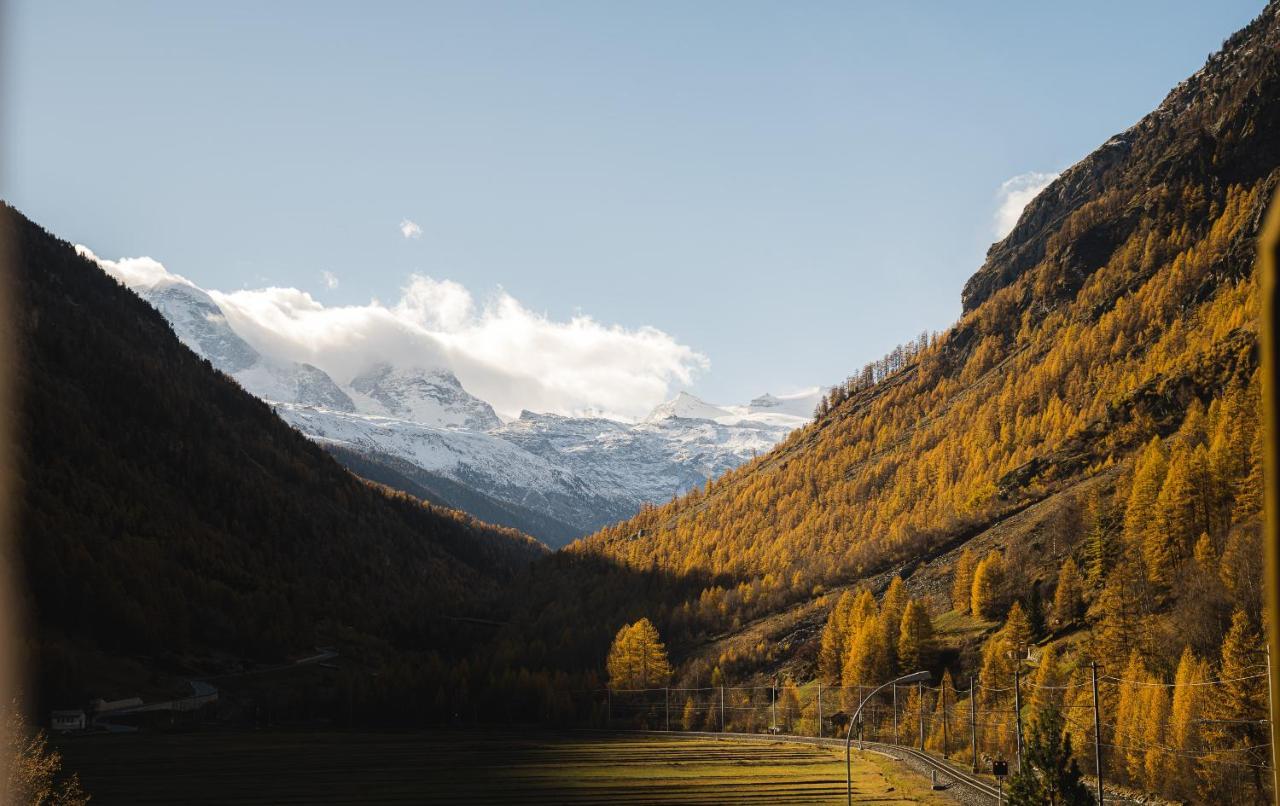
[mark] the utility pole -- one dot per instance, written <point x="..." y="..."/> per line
<point x="1271" y="725"/>
<point x="1097" y="730"/>
<point x="666" y="702"/>
<point x="773" y="693"/>
<point x="942" y="688"/>
<point x="1017" y="711"/>
<point x="819" y="709"/>
<point x="920" y="693"/>
<point x="895" y="713"/>
<point x="973" y="724"/>
<point x="722" y="709"/>
<point x="608" y="707"/>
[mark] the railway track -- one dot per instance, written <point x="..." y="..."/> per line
<point x="944" y="769"/>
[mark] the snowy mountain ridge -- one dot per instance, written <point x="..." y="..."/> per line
<point x="201" y="325"/>
<point x="425" y="396"/>
<point x="557" y="477"/>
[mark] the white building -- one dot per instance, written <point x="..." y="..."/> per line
<point x="67" y="721"/>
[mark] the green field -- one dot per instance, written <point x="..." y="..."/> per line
<point x="475" y="768"/>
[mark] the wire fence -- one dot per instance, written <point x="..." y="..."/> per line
<point x="973" y="725"/>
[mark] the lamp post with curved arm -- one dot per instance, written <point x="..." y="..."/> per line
<point x="914" y="677"/>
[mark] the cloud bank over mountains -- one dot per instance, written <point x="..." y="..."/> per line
<point x="501" y="351"/>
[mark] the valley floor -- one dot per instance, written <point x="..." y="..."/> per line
<point x="476" y="768"/>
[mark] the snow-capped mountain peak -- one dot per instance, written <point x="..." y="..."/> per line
<point x="427" y="396"/>
<point x="556" y="476"/>
<point x="688" y="407"/>
<point x="201" y="325"/>
<point x="798" y="404"/>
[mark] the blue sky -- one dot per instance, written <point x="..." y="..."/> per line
<point x="788" y="189"/>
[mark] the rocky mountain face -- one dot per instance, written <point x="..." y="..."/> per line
<point x="201" y="325"/>
<point x="662" y="456"/>
<point x="431" y="397"/>
<point x="418" y="429"/>
<point x="1221" y="122"/>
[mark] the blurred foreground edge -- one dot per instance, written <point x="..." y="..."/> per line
<point x="1268" y="256"/>
<point x="10" y="679"/>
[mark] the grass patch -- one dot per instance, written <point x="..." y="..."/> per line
<point x="955" y="628"/>
<point x="476" y="768"/>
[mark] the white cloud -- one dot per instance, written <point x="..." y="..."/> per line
<point x="1014" y="195"/>
<point x="501" y="351"/>
<point x="135" y="272"/>
<point x="330" y="279"/>
<point x="409" y="229"/>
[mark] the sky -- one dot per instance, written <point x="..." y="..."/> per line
<point x="617" y="200"/>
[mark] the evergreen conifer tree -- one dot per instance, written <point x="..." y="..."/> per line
<point x="1050" y="776"/>
<point x="1035" y="612"/>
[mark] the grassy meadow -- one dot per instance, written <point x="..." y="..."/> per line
<point x="476" y="768"/>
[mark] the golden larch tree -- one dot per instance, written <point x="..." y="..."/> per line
<point x="867" y="662"/>
<point x="638" y="658"/>
<point x="831" y="652"/>
<point x="1184" y="720"/>
<point x="1129" y="755"/>
<point x="1068" y="598"/>
<point x="892" y="605"/>
<point x="1154" y="714"/>
<point x="987" y="579"/>
<point x="915" y="638"/>
<point x="1236" y="709"/>
<point x="1046" y="689"/>
<point x="689" y="716"/>
<point x="1017" y="629"/>
<point x="1148" y="478"/>
<point x="943" y="727"/>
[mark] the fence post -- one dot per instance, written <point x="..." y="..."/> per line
<point x="973" y="724"/>
<point x="773" y="695"/>
<point x="1097" y="731"/>
<point x="608" y="707"/>
<point x="666" y="702"/>
<point x="819" y="709"/>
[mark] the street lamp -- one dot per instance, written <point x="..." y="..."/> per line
<point x="914" y="677"/>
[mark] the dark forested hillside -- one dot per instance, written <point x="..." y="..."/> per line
<point x="165" y="512"/>
<point x="1091" y="417"/>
